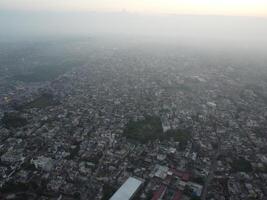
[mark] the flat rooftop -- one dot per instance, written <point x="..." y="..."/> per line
<point x="127" y="190"/>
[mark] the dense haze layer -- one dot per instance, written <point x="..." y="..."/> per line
<point x="245" y="32"/>
<point x="207" y="7"/>
<point x="88" y="99"/>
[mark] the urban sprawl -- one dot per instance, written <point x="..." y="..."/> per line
<point x="163" y="127"/>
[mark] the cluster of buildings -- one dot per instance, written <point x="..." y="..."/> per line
<point x="76" y="149"/>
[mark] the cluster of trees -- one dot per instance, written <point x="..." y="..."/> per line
<point x="46" y="72"/>
<point x="13" y="120"/>
<point x="151" y="129"/>
<point x="241" y="165"/>
<point x="41" y="102"/>
<point x="144" y="130"/>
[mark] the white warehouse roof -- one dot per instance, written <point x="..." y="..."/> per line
<point x="127" y="190"/>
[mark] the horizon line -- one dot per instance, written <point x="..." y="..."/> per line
<point x="134" y="13"/>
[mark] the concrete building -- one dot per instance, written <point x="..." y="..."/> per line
<point x="128" y="189"/>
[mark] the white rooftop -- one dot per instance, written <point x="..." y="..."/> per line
<point x="127" y="190"/>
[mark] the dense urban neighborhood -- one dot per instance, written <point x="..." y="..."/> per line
<point x="161" y="123"/>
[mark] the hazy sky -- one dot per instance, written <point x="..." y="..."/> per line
<point x="206" y="7"/>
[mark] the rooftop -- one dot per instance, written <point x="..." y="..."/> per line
<point x="127" y="190"/>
